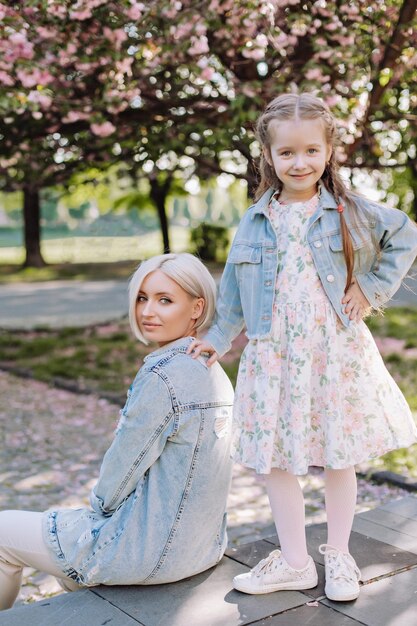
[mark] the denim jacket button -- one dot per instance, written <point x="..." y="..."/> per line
<point x="330" y="278"/>
<point x="317" y="244"/>
<point x="268" y="283"/>
<point x="266" y="317"/>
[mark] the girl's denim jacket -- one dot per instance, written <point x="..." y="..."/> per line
<point x="158" y="508"/>
<point x="248" y="282"/>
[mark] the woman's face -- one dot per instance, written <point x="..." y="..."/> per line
<point x="164" y="311"/>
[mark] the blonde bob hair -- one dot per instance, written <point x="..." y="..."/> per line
<point x="190" y="274"/>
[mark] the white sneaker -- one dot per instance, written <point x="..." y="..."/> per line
<point x="342" y="574"/>
<point x="274" y="574"/>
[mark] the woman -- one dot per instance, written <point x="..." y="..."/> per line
<point x="158" y="508"/>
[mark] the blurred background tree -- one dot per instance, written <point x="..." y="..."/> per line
<point x="169" y="91"/>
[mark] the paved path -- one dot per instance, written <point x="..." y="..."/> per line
<point x="384" y="543"/>
<point x="80" y="303"/>
<point x="62" y="303"/>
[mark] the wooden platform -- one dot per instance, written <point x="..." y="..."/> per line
<point x="384" y="544"/>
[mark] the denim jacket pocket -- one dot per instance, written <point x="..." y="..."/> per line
<point x="360" y="239"/>
<point x="242" y="253"/>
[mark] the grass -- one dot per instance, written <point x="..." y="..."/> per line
<point x="88" y="249"/>
<point x="67" y="271"/>
<point x="399" y="322"/>
<point x="105" y="358"/>
<point x="102" y="359"/>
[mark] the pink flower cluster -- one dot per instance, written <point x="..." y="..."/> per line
<point x="103" y="130"/>
<point x="34" y="77"/>
<point x="18" y="47"/>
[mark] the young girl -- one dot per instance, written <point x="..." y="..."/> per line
<point x="308" y="260"/>
<point x="158" y="508"/>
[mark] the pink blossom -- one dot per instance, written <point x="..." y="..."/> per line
<point x="46" y="33"/>
<point x="248" y="91"/>
<point x="40" y="98"/>
<point x="81" y="15"/>
<point x="207" y="73"/>
<point x="114" y="109"/>
<point x="18" y="39"/>
<point x="281" y="39"/>
<point x="181" y="31"/>
<point x="57" y="10"/>
<point x="6" y="79"/>
<point x="346" y="41"/>
<point x="200" y="29"/>
<point x="103" y="130"/>
<point x="21" y="48"/>
<point x="74" y="116"/>
<point x="254" y="53"/>
<point x="325" y="12"/>
<point x="261" y="40"/>
<point x="135" y="12"/>
<point x="198" y="46"/>
<point x="314" y="74"/>
<point x="86" y="67"/>
<point x="116" y="36"/>
<point x="71" y="48"/>
<point x="332" y="100"/>
<point x="332" y="26"/>
<point x="125" y="66"/>
<point x="325" y="54"/>
<point x="350" y="9"/>
<point x="36" y="77"/>
<point x="214" y="5"/>
<point x="170" y="13"/>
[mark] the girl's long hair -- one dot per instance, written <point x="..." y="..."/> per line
<point x="306" y="106"/>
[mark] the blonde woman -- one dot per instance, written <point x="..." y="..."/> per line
<point x="158" y="508"/>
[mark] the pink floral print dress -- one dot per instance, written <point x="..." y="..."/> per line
<point x="314" y="392"/>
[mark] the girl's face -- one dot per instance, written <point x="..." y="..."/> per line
<point x="298" y="153"/>
<point x="164" y="311"/>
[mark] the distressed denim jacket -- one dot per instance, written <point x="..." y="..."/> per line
<point x="248" y="282"/>
<point x="158" y="508"/>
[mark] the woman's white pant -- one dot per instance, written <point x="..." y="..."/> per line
<point x="22" y="545"/>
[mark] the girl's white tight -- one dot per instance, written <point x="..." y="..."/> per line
<point x="287" y="504"/>
<point x="22" y="545"/>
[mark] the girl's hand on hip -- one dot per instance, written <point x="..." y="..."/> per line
<point x="356" y="303"/>
<point x="198" y="346"/>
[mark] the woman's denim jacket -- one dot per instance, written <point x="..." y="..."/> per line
<point x="248" y="282"/>
<point x="158" y="508"/>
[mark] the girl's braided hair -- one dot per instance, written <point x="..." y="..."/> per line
<point x="306" y="106"/>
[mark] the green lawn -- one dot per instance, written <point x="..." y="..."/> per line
<point x="90" y="249"/>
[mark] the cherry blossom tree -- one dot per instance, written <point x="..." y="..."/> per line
<point x="93" y="82"/>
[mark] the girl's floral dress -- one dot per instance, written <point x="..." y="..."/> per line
<point x="314" y="392"/>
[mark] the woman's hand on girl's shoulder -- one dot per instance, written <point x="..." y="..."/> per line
<point x="198" y="346"/>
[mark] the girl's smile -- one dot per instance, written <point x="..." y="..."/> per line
<point x="298" y="152"/>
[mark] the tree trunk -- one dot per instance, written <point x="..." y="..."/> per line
<point x="414" y="187"/>
<point x="159" y="193"/>
<point x="32" y="229"/>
